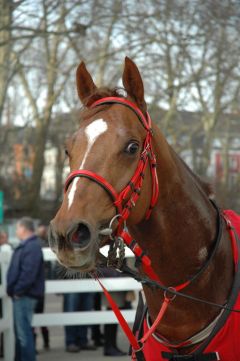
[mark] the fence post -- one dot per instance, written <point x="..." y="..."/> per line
<point x="9" y="341"/>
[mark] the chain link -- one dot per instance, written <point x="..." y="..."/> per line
<point x="116" y="253"/>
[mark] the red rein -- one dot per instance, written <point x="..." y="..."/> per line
<point x="124" y="202"/>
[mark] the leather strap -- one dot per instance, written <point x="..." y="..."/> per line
<point x="99" y="180"/>
<point x="212" y="356"/>
<point x="146" y="121"/>
<point x="137" y="345"/>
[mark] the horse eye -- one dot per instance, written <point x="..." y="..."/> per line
<point x="66" y="152"/>
<point x="132" y="148"/>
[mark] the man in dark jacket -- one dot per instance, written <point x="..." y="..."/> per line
<point x="25" y="284"/>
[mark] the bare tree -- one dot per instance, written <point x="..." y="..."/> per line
<point x="54" y="51"/>
<point x="5" y="50"/>
<point x="188" y="53"/>
<point x="215" y="72"/>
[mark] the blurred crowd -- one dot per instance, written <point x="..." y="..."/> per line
<point x="26" y="285"/>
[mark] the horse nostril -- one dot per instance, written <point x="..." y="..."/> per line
<point x="81" y="237"/>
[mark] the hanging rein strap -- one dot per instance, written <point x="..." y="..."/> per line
<point x="137" y="345"/>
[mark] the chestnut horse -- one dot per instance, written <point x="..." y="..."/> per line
<point x="179" y="234"/>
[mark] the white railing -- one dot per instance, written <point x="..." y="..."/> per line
<point x="61" y="318"/>
<point x="6" y="322"/>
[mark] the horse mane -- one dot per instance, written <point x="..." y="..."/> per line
<point x="206" y="186"/>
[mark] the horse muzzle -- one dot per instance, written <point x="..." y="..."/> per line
<point x="77" y="247"/>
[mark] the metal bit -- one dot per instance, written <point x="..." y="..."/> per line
<point x="105" y="232"/>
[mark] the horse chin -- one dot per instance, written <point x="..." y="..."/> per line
<point x="83" y="268"/>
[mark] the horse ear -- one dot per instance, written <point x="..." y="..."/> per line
<point x="133" y="83"/>
<point x="85" y="84"/>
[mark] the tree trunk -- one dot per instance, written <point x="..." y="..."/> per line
<point x="6" y="9"/>
<point x="33" y="198"/>
<point x="205" y="155"/>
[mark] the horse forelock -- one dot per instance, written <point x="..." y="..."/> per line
<point x="100" y="93"/>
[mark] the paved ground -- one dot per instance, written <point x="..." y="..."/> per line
<point x="57" y="352"/>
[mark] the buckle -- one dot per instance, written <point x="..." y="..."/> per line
<point x="172" y="296"/>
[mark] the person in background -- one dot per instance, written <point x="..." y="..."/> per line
<point x="76" y="337"/>
<point x="4" y="247"/>
<point x="42" y="234"/>
<point x="97" y="335"/>
<point x="25" y="285"/>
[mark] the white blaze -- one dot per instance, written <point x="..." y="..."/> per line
<point x="92" y="132"/>
<point x="71" y="194"/>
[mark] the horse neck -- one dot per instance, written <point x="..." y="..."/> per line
<point x="178" y="238"/>
<point x="182" y="226"/>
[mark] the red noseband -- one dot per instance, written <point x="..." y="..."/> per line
<point x="126" y="199"/>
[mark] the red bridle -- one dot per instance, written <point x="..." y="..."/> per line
<point x="127" y="198"/>
<point x="124" y="202"/>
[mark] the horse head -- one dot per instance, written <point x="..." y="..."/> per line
<point x="109" y="143"/>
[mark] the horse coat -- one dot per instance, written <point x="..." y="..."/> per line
<point x="224" y="341"/>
